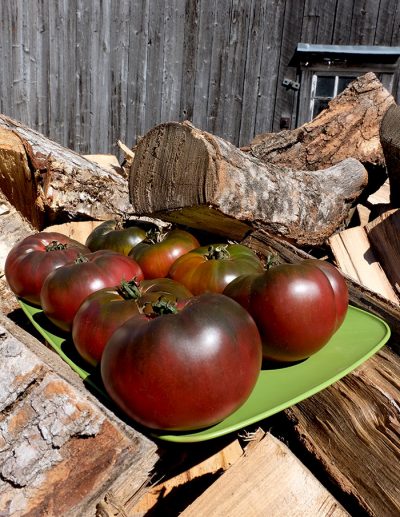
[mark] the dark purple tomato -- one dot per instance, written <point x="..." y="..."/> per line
<point x="339" y="287"/>
<point x="293" y="306"/>
<point x="67" y="287"/>
<point x="156" y="254"/>
<point x="104" y="311"/>
<point x="212" y="268"/>
<point x="33" y="258"/>
<point x="186" y="370"/>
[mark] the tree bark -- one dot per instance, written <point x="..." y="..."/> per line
<point x="349" y="127"/>
<point x="48" y="183"/>
<point x="185" y="175"/>
<point x="50" y="428"/>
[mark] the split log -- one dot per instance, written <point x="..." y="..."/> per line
<point x="355" y="257"/>
<point x="267" y="480"/>
<point x="61" y="451"/>
<point x="349" y="127"/>
<point x="49" y="184"/>
<point x="184" y="175"/>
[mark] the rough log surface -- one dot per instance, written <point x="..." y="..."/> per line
<point x="349" y="127"/>
<point x="390" y="140"/>
<point x="60" y="450"/>
<point x="185" y="175"/>
<point x="49" y="183"/>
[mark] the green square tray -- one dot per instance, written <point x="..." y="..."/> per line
<point x="361" y="335"/>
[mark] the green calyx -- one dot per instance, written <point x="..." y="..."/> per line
<point x="80" y="259"/>
<point x="129" y="290"/>
<point x="55" y="245"/>
<point x="217" y="252"/>
<point x="163" y="306"/>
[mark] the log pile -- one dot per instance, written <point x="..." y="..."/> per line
<point x="321" y="189"/>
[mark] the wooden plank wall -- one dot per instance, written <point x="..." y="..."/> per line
<point x="89" y="72"/>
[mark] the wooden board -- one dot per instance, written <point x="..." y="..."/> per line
<point x="267" y="480"/>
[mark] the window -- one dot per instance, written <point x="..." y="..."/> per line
<point x="324" y="88"/>
<point x="324" y="71"/>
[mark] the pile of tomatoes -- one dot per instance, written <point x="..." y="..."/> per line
<point x="178" y="330"/>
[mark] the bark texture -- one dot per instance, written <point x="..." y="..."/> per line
<point x="48" y="183"/>
<point x="60" y="452"/>
<point x="349" y="127"/>
<point x="182" y="174"/>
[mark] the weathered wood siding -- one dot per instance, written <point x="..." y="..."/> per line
<point x="89" y="72"/>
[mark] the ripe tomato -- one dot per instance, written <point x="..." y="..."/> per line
<point x="104" y="311"/>
<point x="66" y="288"/>
<point x="33" y="258"/>
<point x="157" y="254"/>
<point x="111" y="235"/>
<point x="338" y="284"/>
<point x="186" y="370"/>
<point x="212" y="268"/>
<point x="294" y="306"/>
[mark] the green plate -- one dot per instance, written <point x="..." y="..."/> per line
<point x="361" y="335"/>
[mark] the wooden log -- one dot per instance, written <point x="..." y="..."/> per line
<point x="349" y="127"/>
<point x="267" y="480"/>
<point x="390" y="140"/>
<point x="49" y="184"/>
<point x="61" y="450"/>
<point x="185" y="175"/>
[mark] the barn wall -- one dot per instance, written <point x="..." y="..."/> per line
<point x="89" y="72"/>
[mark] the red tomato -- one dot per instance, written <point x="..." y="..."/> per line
<point x="294" y="307"/>
<point x="112" y="235"/>
<point x="338" y="284"/>
<point x="104" y="311"/>
<point x="155" y="257"/>
<point x="32" y="259"/>
<point x="212" y="268"/>
<point x="66" y="288"/>
<point x="186" y="370"/>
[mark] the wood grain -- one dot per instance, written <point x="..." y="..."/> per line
<point x="267" y="480"/>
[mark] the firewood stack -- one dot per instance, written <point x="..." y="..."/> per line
<point x="329" y="189"/>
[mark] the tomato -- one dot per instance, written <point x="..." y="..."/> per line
<point x="157" y="254"/>
<point x="186" y="370"/>
<point x="211" y="268"/>
<point x="30" y="261"/>
<point x="107" y="309"/>
<point x="338" y="284"/>
<point x="111" y="235"/>
<point x="294" y="307"/>
<point x="66" y="288"/>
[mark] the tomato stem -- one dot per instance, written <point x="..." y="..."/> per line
<point x="217" y="252"/>
<point x="163" y="306"/>
<point x="129" y="290"/>
<point x="55" y="245"/>
<point x="154" y="235"/>
<point x="80" y="259"/>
